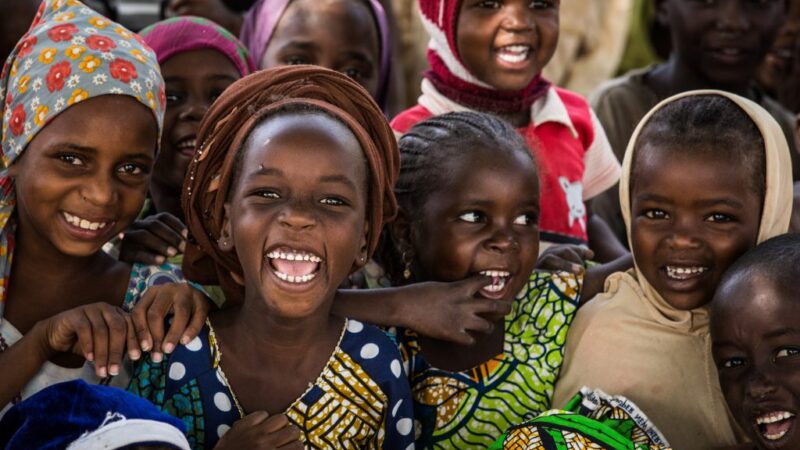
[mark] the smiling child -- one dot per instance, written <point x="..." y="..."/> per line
<point x="285" y="198"/>
<point x="706" y="177"/>
<point x="756" y="342"/>
<point x="487" y="56"/>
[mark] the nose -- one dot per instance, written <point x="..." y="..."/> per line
<point x="194" y="110"/>
<point x="100" y="191"/>
<point x="684" y="234"/>
<point x="759" y="386"/>
<point x="517" y="18"/>
<point x="732" y="17"/>
<point x="502" y="240"/>
<point x="297" y="217"/>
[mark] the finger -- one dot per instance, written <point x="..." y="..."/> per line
<point x="198" y="321"/>
<point x="252" y="419"/>
<point x="285" y="436"/>
<point x="174" y="223"/>
<point x="99" y="342"/>
<point x="117" y="337"/>
<point x="470" y="286"/>
<point x="156" y="315"/>
<point x="296" y="445"/>
<point x="142" y="256"/>
<point x="275" y="423"/>
<point x="559" y="263"/>
<point x="132" y="343"/>
<point x="83" y="330"/>
<point x="180" y="318"/>
<point x="478" y="325"/>
<point x="155" y="237"/>
<point x="171" y="233"/>
<point x="139" y="317"/>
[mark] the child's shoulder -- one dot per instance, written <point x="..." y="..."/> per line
<point x="372" y="349"/>
<point x="620" y="298"/>
<point x="555" y="286"/>
<point x="628" y="89"/>
<point x="410" y="117"/>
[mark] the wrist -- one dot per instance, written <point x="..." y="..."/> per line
<point x="40" y="341"/>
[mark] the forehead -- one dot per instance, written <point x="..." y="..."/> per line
<point x="755" y="302"/>
<point x="343" y="24"/>
<point x="200" y="63"/>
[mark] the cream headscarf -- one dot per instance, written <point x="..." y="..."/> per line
<point x="775" y="214"/>
<point x="629" y="341"/>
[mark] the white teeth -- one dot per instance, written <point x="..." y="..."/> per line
<point x="495" y="273"/>
<point x="730" y="51"/>
<point x="187" y="144"/>
<point x="498" y="280"/>
<point x="299" y="279"/>
<point x="773" y="417"/>
<point x="512" y="58"/>
<point x="776" y="436"/>
<point x="514" y="53"/>
<point x="682" y="273"/>
<point x="83" y="223"/>
<point x="294" y="256"/>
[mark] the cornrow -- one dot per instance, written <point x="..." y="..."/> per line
<point x="425" y="153"/>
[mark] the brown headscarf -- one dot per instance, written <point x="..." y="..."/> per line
<point x="224" y="131"/>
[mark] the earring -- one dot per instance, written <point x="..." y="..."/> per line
<point x="407" y="264"/>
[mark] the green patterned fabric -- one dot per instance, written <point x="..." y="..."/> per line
<point x="591" y="420"/>
<point x="471" y="409"/>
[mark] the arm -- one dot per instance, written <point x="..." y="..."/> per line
<point x="26" y="357"/>
<point x="595" y="279"/>
<point x="601" y="239"/>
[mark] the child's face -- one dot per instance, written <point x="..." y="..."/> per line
<point x="194" y="79"/>
<point x="757" y="352"/>
<point x="297" y="213"/>
<point x="506" y="43"/>
<point x="83" y="178"/>
<point x="691" y="218"/>
<point x="484" y="219"/>
<point x="337" y="34"/>
<point x="724" y="40"/>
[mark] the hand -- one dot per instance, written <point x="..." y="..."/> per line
<point x="565" y="258"/>
<point x="449" y="311"/>
<point x="153" y="240"/>
<point x="189" y="307"/>
<point x="260" y="431"/>
<point x="214" y="10"/>
<point x="99" y="332"/>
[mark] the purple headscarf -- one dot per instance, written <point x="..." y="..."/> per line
<point x="186" y="33"/>
<point x="262" y="19"/>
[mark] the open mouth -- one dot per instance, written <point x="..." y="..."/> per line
<point x="500" y="279"/>
<point x="187" y="145"/>
<point x="514" y="54"/>
<point x="294" y="266"/>
<point x="683" y="273"/>
<point x="86" y="228"/>
<point x="775" y="425"/>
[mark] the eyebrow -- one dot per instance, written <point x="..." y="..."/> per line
<point x="93" y="151"/>
<point x="304" y="45"/>
<point x="271" y="171"/>
<point x="782" y="332"/>
<point x="214" y="77"/>
<point x="652" y="198"/>
<point x="721" y="201"/>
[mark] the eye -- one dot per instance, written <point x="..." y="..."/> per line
<point x="656" y="214"/>
<point x="295" y="60"/>
<point x="332" y="201"/>
<point x="542" y="4"/>
<point x="173" y="97"/>
<point x="525" y="220"/>
<point x="72" y="160"/>
<point x="130" y="169"/>
<point x="471" y="217"/>
<point x="353" y="73"/>
<point x="787" y="352"/>
<point x="266" y="193"/>
<point x="732" y="363"/>
<point x="488" y="4"/>
<point x="719" y="218"/>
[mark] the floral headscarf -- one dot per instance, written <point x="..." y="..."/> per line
<point x="70" y="54"/>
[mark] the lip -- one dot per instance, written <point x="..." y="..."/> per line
<point x="82" y="234"/>
<point x="684" y="276"/>
<point x="507" y="282"/>
<point x="729" y="54"/>
<point x="512" y="57"/>
<point x="773" y="443"/>
<point x="182" y="148"/>
<point x="287" y="281"/>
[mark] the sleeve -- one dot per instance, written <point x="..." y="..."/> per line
<point x="399" y="416"/>
<point x="602" y="169"/>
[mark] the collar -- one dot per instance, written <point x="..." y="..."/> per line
<point x="548" y="108"/>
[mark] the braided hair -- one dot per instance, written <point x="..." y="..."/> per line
<point x="425" y="153"/>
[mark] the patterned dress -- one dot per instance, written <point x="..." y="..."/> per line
<point x="471" y="409"/>
<point x="360" y="400"/>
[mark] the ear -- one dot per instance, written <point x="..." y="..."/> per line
<point x="401" y="232"/>
<point x="662" y="13"/>
<point x="363" y="250"/>
<point x="225" y="241"/>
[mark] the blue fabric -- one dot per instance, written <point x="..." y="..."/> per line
<point x="60" y="414"/>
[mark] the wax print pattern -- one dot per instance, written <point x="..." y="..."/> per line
<point x="360" y="400"/>
<point x="70" y="54"/>
<point x="473" y="408"/>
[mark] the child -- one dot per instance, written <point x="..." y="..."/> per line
<point x="479" y="218"/>
<point x="488" y="56"/>
<point x="282" y="220"/>
<point x="715" y="45"/>
<point x="348" y="36"/>
<point x="705" y="178"/>
<point x="79" y="416"/>
<point x="73" y="176"/>
<point x="198" y="59"/>
<point x="755" y="340"/>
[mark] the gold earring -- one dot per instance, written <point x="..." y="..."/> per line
<point x="407" y="264"/>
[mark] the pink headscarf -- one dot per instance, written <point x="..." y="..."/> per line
<point x="262" y="19"/>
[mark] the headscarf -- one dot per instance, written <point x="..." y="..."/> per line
<point x="452" y="79"/>
<point x="186" y="33"/>
<point x="224" y="131"/>
<point x="70" y="54"/>
<point x="778" y="200"/>
<point x="262" y="19"/>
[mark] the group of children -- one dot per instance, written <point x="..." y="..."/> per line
<point x="238" y="201"/>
